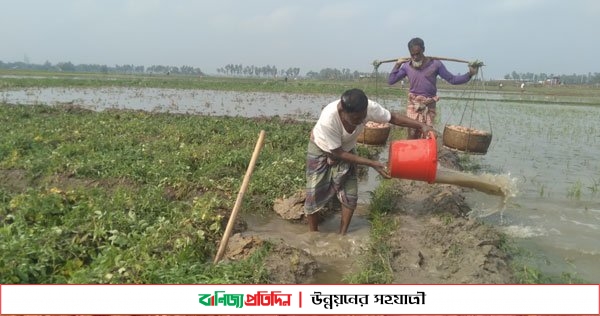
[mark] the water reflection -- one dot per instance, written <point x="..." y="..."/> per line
<point x="202" y="102"/>
<point x="550" y="149"/>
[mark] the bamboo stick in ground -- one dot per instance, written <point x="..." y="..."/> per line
<point x="238" y="201"/>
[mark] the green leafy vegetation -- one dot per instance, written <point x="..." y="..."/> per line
<point x="131" y="196"/>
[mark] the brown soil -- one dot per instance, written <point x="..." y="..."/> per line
<point x="436" y="242"/>
<point x="434" y="249"/>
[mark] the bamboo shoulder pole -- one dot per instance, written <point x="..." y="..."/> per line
<point x="238" y="201"/>
<point x="379" y="62"/>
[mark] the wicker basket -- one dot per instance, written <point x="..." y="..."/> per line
<point x="374" y="135"/>
<point x="466" y="139"/>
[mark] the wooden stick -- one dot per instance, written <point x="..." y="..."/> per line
<point x="379" y="62"/>
<point x="238" y="201"/>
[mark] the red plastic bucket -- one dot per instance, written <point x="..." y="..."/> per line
<point x="414" y="159"/>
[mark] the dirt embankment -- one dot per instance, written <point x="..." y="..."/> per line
<point x="436" y="242"/>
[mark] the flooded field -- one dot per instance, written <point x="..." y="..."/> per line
<point x="551" y="149"/>
<point x="202" y="102"/>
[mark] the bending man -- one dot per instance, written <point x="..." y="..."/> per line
<point x="331" y="157"/>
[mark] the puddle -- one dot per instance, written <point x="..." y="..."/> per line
<point x="335" y="254"/>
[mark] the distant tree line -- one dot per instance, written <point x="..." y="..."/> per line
<point x="227" y="70"/>
<point x="256" y="71"/>
<point x="271" y="71"/>
<point x="333" y="73"/>
<point x="590" y="78"/>
<point x="96" y="68"/>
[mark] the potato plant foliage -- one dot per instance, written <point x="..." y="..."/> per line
<point x="132" y="196"/>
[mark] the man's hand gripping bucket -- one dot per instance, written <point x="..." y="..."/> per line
<point x="414" y="159"/>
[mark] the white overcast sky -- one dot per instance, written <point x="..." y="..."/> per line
<point x="538" y="36"/>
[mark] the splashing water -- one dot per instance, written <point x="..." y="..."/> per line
<point x="501" y="185"/>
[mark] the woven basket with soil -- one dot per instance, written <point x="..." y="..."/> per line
<point x="466" y="139"/>
<point x="374" y="133"/>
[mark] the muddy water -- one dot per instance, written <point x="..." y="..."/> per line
<point x="334" y="253"/>
<point x="499" y="185"/>
<point x="551" y="149"/>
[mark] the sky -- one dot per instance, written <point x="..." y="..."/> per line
<point x="537" y="36"/>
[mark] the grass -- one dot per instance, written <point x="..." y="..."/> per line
<point x="594" y="187"/>
<point x="527" y="272"/>
<point x="375" y="267"/>
<point x="574" y="191"/>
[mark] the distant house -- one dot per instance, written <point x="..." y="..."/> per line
<point x="553" y="81"/>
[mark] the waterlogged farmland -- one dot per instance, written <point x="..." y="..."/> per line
<point x="201" y="102"/>
<point x="551" y="148"/>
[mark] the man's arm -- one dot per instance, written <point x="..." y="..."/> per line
<point x="381" y="168"/>
<point x="451" y="78"/>
<point x="403" y="120"/>
<point x="398" y="73"/>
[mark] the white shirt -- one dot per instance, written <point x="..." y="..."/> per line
<point x="329" y="132"/>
